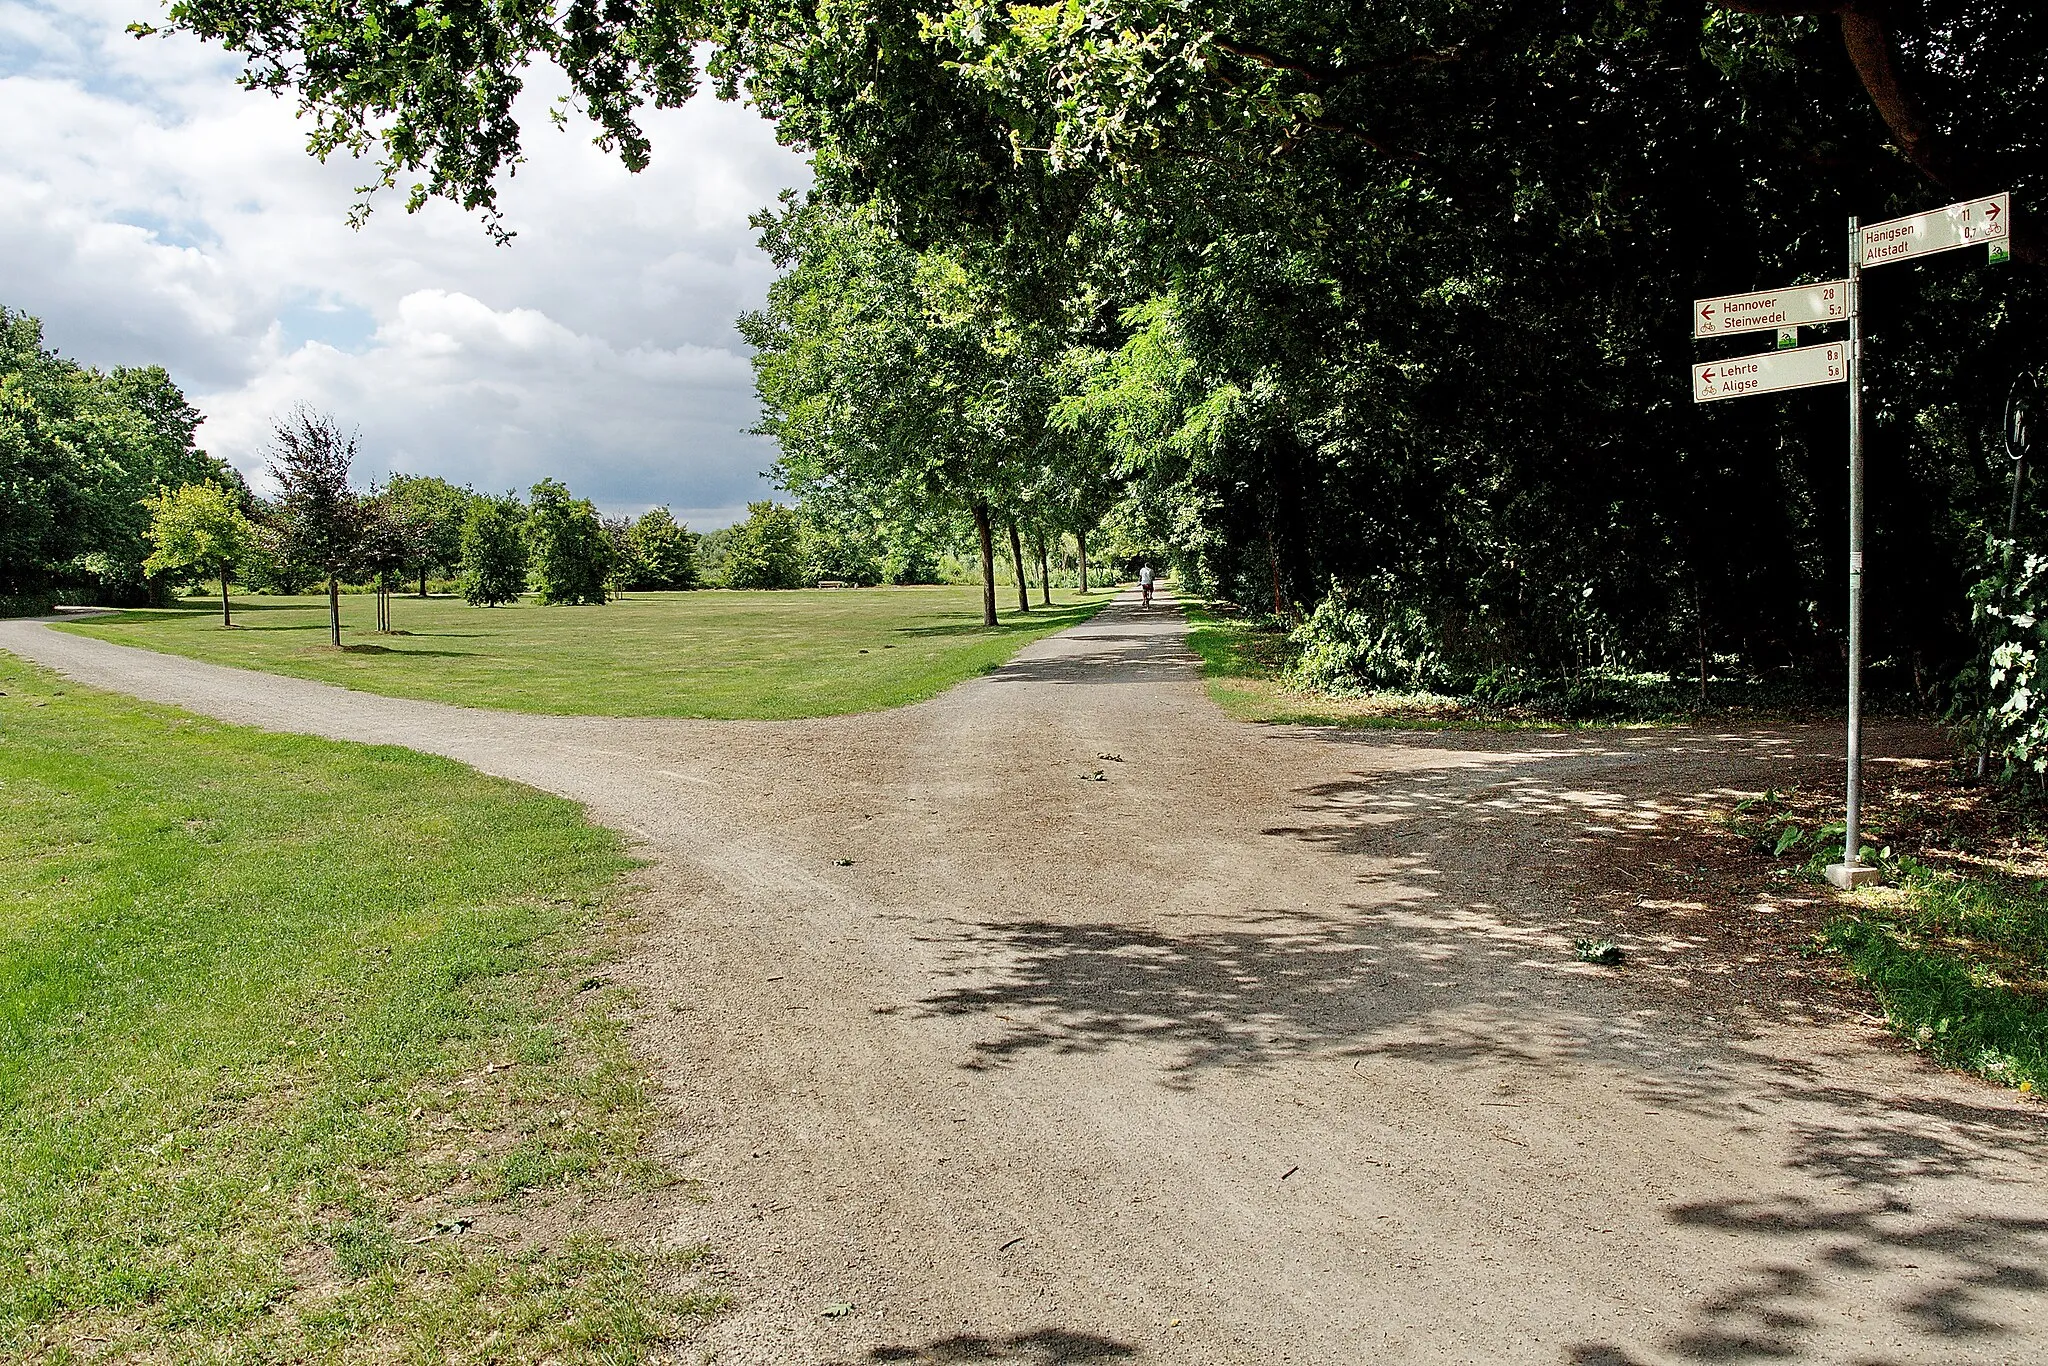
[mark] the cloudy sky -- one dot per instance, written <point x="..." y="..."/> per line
<point x="152" y="211"/>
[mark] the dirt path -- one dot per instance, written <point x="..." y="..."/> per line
<point x="1265" y="1046"/>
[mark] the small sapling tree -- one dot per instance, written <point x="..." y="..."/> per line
<point x="199" y="528"/>
<point x="317" y="521"/>
<point x="493" y="551"/>
<point x="390" y="547"/>
<point x="571" y="554"/>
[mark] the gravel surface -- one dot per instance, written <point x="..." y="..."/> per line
<point x="1061" y="1019"/>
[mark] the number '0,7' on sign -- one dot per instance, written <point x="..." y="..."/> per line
<point x="1798" y="306"/>
<point x="1770" y="371"/>
<point x="1959" y="225"/>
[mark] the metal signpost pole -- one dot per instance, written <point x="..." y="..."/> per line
<point x="1852" y="871"/>
<point x="1988" y="221"/>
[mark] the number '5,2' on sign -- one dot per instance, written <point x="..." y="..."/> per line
<point x="1770" y="371"/>
<point x="1797" y="306"/>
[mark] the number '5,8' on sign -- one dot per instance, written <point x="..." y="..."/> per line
<point x="1742" y="376"/>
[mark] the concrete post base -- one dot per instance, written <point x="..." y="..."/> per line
<point x="1850" y="876"/>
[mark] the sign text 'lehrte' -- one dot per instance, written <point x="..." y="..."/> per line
<point x="1770" y="371"/>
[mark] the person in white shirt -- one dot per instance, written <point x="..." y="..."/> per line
<point x="1145" y="582"/>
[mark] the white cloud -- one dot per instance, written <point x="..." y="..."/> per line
<point x="151" y="211"/>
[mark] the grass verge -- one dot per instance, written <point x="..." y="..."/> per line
<point x="304" y="1046"/>
<point x="716" y="655"/>
<point x="1960" y="965"/>
<point x="1955" y="946"/>
<point x="1246" y="662"/>
<point x="1244" y="668"/>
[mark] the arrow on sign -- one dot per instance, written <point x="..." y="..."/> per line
<point x="1923" y="234"/>
<point x="1799" y="368"/>
<point x="1793" y="306"/>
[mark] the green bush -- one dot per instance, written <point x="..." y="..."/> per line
<point x="766" y="550"/>
<point x="1355" y="644"/>
<point x="2000" y="701"/>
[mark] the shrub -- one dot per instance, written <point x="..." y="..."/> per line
<point x="1352" y="643"/>
<point x="766" y="550"/>
<point x="665" y="552"/>
<point x="2000" y="700"/>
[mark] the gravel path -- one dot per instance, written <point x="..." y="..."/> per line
<point x="1061" y="1019"/>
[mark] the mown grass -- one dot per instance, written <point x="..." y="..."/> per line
<point x="277" y="1016"/>
<point x="717" y="655"/>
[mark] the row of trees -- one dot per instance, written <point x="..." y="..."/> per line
<point x="1385" y="297"/>
<point x="319" y="528"/>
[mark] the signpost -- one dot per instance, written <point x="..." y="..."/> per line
<point x="1800" y="368"/>
<point x="1799" y="306"/>
<point x="1986" y="221"/>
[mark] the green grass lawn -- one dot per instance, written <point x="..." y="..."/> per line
<point x="276" y="1013"/>
<point x="721" y="655"/>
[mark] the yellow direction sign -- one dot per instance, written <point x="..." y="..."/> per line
<point x="1770" y="371"/>
<point x="1975" y="222"/>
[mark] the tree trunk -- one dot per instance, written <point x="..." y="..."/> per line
<point x="1044" y="574"/>
<point x="1273" y="557"/>
<point x="334" y="611"/>
<point x="423" y="580"/>
<point x="988" y="564"/>
<point x="225" y="618"/>
<point x="1081" y="540"/>
<point x="1023" y="577"/>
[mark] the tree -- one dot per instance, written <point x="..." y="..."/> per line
<point x="665" y="550"/>
<point x="625" y="567"/>
<point x="427" y="513"/>
<point x="494" y="553"/>
<point x="82" y="454"/>
<point x="767" y="549"/>
<point x="391" y="545"/>
<point x="1364" y="234"/>
<point x="897" y="385"/>
<point x="199" y="527"/>
<point x="317" y="520"/>
<point x="571" y="558"/>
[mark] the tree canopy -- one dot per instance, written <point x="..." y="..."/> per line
<point x="1393" y="299"/>
<point x="82" y="454"/>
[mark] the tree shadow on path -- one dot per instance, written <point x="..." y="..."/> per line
<point x="1917" y="1209"/>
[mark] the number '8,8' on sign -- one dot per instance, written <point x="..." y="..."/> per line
<point x="1770" y="371"/>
